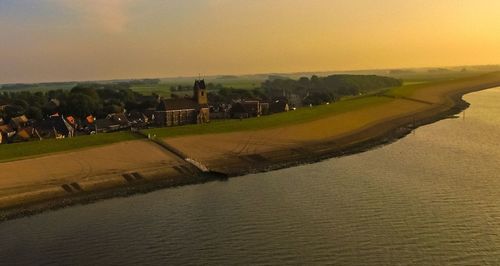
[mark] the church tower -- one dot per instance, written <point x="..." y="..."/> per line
<point x="200" y="92"/>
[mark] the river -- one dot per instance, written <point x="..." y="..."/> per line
<point x="432" y="197"/>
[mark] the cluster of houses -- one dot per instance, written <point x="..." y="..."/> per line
<point x="168" y="112"/>
<point x="22" y="129"/>
<point x="255" y="108"/>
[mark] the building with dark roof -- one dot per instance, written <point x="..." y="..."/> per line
<point x="249" y="108"/>
<point x="195" y="110"/>
<point x="18" y="122"/>
<point x="112" y="122"/>
<point x="278" y="106"/>
<point x="55" y="127"/>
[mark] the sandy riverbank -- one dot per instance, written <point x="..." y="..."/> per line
<point x="32" y="185"/>
<point x="253" y="151"/>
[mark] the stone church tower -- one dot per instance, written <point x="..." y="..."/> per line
<point x="200" y="92"/>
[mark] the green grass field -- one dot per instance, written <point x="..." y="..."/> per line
<point x="404" y="91"/>
<point x="161" y="89"/>
<point x="424" y="76"/>
<point x="10" y="152"/>
<point x="239" y="83"/>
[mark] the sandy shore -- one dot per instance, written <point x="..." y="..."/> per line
<point x="338" y="134"/>
<point x="33" y="185"/>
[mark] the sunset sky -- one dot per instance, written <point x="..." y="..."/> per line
<point x="58" y="40"/>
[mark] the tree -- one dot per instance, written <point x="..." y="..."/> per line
<point x="86" y="89"/>
<point x="21" y="103"/>
<point x="34" y="112"/>
<point x="81" y="105"/>
<point x="112" y="109"/>
<point x="11" y="111"/>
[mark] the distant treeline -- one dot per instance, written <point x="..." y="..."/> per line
<point x="314" y="90"/>
<point x="317" y="90"/>
<point x="24" y="86"/>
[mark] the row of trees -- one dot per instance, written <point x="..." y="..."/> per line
<point x="56" y="85"/>
<point x="317" y="90"/>
<point x="80" y="101"/>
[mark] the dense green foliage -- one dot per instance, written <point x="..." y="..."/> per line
<point x="82" y="100"/>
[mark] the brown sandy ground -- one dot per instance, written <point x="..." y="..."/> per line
<point x="93" y="168"/>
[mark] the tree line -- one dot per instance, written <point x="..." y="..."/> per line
<point x="80" y="101"/>
<point x="318" y="90"/>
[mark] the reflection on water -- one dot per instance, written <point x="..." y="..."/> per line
<point x="430" y="198"/>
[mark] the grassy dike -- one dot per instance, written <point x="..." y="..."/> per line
<point x="12" y="152"/>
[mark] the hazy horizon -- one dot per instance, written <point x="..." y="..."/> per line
<point x="494" y="67"/>
<point x="63" y="40"/>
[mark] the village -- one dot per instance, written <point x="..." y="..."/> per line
<point x="158" y="112"/>
<point x="93" y="108"/>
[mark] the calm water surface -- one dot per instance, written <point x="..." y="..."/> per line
<point x="430" y="198"/>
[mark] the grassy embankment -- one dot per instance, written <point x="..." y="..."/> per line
<point x="11" y="152"/>
<point x="22" y="150"/>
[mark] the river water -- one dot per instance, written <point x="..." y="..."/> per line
<point x="432" y="197"/>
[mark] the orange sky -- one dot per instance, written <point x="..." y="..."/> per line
<point x="57" y="40"/>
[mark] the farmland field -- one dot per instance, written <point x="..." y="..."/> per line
<point x="161" y="89"/>
<point x="39" y="87"/>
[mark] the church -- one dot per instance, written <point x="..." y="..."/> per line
<point x="176" y="112"/>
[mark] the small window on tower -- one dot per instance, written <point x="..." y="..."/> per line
<point x="202" y="93"/>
